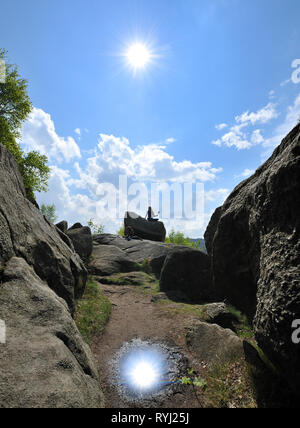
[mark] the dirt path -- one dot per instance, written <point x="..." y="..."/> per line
<point x="134" y="316"/>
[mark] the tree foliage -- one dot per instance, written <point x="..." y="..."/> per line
<point x="177" y="238"/>
<point x="121" y="231"/>
<point x="50" y="212"/>
<point x="97" y="229"/>
<point x="15" y="107"/>
<point x="180" y="239"/>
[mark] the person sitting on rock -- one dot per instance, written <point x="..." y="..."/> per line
<point x="150" y="215"/>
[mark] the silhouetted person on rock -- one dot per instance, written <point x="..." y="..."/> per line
<point x="150" y="215"/>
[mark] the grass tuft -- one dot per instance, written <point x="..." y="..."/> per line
<point x="242" y="327"/>
<point x="92" y="311"/>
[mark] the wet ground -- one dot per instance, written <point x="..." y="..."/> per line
<point x="137" y="322"/>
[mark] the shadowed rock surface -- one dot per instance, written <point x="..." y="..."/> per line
<point x="45" y="362"/>
<point x="151" y="230"/>
<point x="25" y="233"/>
<point x="108" y="259"/>
<point x="63" y="226"/>
<point x="82" y="240"/>
<point x="187" y="270"/>
<point x="213" y="343"/>
<point x="211" y="229"/>
<point x="65" y="238"/>
<point x="76" y="226"/>
<point x="218" y="313"/>
<point x="256" y="252"/>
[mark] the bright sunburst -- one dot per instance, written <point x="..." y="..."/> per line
<point x="144" y="374"/>
<point x="138" y="55"/>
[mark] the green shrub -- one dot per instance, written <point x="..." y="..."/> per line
<point x="49" y="211"/>
<point x="92" y="311"/>
<point x="97" y="229"/>
<point x="121" y="231"/>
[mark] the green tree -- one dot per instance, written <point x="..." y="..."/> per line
<point x="180" y="239"/>
<point x="50" y="212"/>
<point x="121" y="231"/>
<point x="199" y="245"/>
<point x="15" y="107"/>
<point x="177" y="238"/>
<point x="97" y="229"/>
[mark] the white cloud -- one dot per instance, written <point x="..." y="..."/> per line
<point x="151" y="163"/>
<point x="170" y="140"/>
<point x="81" y="206"/>
<point x="38" y="133"/>
<point x="79" y="196"/>
<point x="291" y="119"/>
<point x="245" y="174"/>
<point x="285" y="82"/>
<point x="263" y="115"/>
<point x="238" y="136"/>
<point x="272" y="94"/>
<point x="217" y="142"/>
<point x="256" y="137"/>
<point x="216" y="195"/>
<point x="234" y="138"/>
<point x="221" y="126"/>
<point x="77" y="131"/>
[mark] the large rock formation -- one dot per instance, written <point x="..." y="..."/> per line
<point x="26" y="233"/>
<point x="254" y="242"/>
<point x="108" y="259"/>
<point x="44" y="362"/>
<point x="188" y="271"/>
<point x="82" y="240"/>
<point x="139" y="251"/>
<point x="214" y="344"/>
<point x="152" y="230"/>
<point x="211" y="229"/>
<point x="218" y="313"/>
<point x="63" y="226"/>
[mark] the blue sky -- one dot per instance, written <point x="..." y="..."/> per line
<point x="216" y="62"/>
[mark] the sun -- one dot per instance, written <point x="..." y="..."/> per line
<point x="138" y="56"/>
<point x="144" y="375"/>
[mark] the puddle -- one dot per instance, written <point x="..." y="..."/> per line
<point x="145" y="371"/>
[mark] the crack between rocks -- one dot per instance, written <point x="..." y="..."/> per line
<point x="61" y="336"/>
<point x="10" y="231"/>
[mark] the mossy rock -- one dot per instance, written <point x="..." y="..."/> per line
<point x="129" y="278"/>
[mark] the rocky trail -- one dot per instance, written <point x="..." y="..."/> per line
<point x="135" y="316"/>
<point x="218" y="323"/>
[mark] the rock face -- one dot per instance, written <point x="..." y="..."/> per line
<point x="219" y="314"/>
<point x="63" y="226"/>
<point x="82" y="240"/>
<point x="187" y="270"/>
<point x="214" y="344"/>
<point x="139" y="251"/>
<point x="108" y="259"/>
<point x="255" y="252"/>
<point x="25" y="233"/>
<point x="211" y="229"/>
<point x="76" y="226"/>
<point x="44" y="362"/>
<point x="151" y="230"/>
